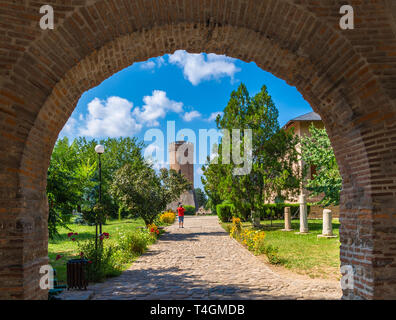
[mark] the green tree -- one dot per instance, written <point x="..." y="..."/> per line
<point x="274" y="155"/>
<point x="202" y="199"/>
<point x="68" y="179"/>
<point x="118" y="152"/>
<point x="318" y="153"/>
<point x="212" y="175"/>
<point x="73" y="177"/>
<point x="145" y="193"/>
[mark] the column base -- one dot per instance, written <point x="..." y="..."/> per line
<point x="303" y="233"/>
<point x="327" y="237"/>
<point x="287" y="230"/>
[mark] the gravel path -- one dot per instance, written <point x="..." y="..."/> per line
<point x="202" y="262"/>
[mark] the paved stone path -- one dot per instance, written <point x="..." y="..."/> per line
<point x="200" y="262"/>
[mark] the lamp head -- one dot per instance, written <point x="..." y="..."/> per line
<point x="99" y="149"/>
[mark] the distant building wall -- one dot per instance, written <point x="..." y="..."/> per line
<point x="181" y="156"/>
<point x="301" y="128"/>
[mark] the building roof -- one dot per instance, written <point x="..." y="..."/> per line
<point x="312" y="116"/>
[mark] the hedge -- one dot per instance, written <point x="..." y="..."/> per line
<point x="224" y="211"/>
<point x="189" y="210"/>
<point x="278" y="209"/>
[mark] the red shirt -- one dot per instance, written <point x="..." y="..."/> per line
<point x="180" y="211"/>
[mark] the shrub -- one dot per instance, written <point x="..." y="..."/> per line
<point x="254" y="240"/>
<point x="189" y="210"/>
<point x="224" y="211"/>
<point x="101" y="260"/>
<point x="134" y="243"/>
<point x="272" y="253"/>
<point x="153" y="229"/>
<point x="242" y="212"/>
<point x="167" y="217"/>
<point x="277" y="210"/>
<point x="236" y="228"/>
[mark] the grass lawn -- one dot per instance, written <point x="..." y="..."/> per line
<point x="63" y="246"/>
<point x="304" y="254"/>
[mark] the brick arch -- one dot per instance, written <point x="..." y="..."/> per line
<point x="347" y="78"/>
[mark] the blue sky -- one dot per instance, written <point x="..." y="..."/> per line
<point x="182" y="89"/>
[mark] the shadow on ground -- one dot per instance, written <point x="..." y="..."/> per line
<point x="173" y="284"/>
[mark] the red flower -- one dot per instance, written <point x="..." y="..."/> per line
<point x="106" y="234"/>
<point x="70" y="234"/>
<point x="76" y="234"/>
<point x="81" y="254"/>
<point x="89" y="261"/>
<point x="58" y="257"/>
<point x="101" y="237"/>
<point x="152" y="230"/>
<point x="73" y="239"/>
<point x="157" y="231"/>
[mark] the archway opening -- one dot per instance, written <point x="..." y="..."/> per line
<point x="153" y="96"/>
<point x="346" y="80"/>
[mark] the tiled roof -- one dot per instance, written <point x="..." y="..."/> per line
<point x="312" y="116"/>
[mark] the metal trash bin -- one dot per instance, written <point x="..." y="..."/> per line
<point x="76" y="274"/>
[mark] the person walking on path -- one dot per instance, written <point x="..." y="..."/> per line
<point x="180" y="212"/>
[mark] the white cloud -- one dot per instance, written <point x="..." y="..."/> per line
<point x="117" y="117"/>
<point x="156" y="107"/>
<point x="200" y="171"/>
<point x="70" y="127"/>
<point x="110" y="118"/>
<point x="197" y="68"/>
<point x="160" y="61"/>
<point x="152" y="63"/>
<point x="190" y="116"/>
<point x="214" y="115"/>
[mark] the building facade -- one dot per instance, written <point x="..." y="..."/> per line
<point x="181" y="158"/>
<point x="300" y="126"/>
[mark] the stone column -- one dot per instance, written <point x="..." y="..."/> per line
<point x="256" y="220"/>
<point x="303" y="215"/>
<point x="327" y="225"/>
<point x="287" y="219"/>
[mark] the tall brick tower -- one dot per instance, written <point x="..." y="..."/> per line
<point x="181" y="157"/>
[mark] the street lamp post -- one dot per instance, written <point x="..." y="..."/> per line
<point x="99" y="149"/>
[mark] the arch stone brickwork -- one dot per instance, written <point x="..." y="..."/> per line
<point x="348" y="77"/>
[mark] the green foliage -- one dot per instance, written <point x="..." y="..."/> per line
<point x="189" y="210"/>
<point x="102" y="262"/>
<point x="225" y="211"/>
<point x="274" y="156"/>
<point x="271" y="252"/>
<point x="277" y="210"/>
<point x="135" y="243"/>
<point x="73" y="181"/>
<point x="202" y="199"/>
<point x="303" y="255"/>
<point x="318" y="153"/>
<point x="142" y="191"/>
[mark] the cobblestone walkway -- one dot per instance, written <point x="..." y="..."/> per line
<point x="202" y="262"/>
